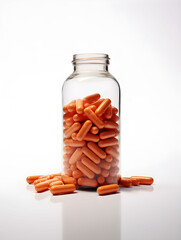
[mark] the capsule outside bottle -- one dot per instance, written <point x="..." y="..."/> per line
<point x="62" y="189"/>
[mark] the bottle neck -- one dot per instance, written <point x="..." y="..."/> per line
<point x="90" y="62"/>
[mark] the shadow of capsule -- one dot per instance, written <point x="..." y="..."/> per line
<point x="30" y="187"/>
<point x="42" y="195"/>
<point x="140" y="188"/>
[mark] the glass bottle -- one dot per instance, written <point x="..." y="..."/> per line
<point x="91" y="125"/>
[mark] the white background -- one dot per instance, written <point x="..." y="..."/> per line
<point x="37" y="41"/>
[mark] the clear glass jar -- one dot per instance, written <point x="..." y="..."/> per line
<point x="91" y="113"/>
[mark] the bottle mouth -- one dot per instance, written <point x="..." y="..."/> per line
<point x="91" y="58"/>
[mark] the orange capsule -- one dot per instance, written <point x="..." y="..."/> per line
<point x="102" y="107"/>
<point x="112" y="151"/>
<point x="108" y="112"/>
<point x="62" y="189"/>
<point x="68" y="180"/>
<point x="92" y="116"/>
<point x="75" y="127"/>
<point x="144" y="180"/>
<point x="74" y="136"/>
<point x="110" y="124"/>
<point x="113" y="171"/>
<point x="56" y="183"/>
<point x="69" y="121"/>
<point x="91" y="137"/>
<point x="73" y="167"/>
<point x="114" y="162"/>
<point x="67" y="171"/>
<point x="126" y="182"/>
<point x="101" y="180"/>
<point x="91" y="155"/>
<point x="97" y="150"/>
<point x="92" y="107"/>
<point x="79" y="106"/>
<point x="43" y="186"/>
<point x="66" y="157"/>
<point x="107" y="189"/>
<point x="77" y="174"/>
<point x="80" y="117"/>
<point x="74" y="143"/>
<point x="108" y="158"/>
<point x="107" y="134"/>
<point x="54" y="175"/>
<point x="87" y="182"/>
<point x="135" y="181"/>
<point x="98" y="102"/>
<point x="67" y="115"/>
<point x="114" y="118"/>
<point x="71" y="107"/>
<point x="65" y="109"/>
<point x="68" y="149"/>
<point x="91" y="165"/>
<point x="116" y="132"/>
<point x="105" y="173"/>
<point x="94" y="130"/>
<point x="40" y="180"/>
<point x="84" y="130"/>
<point x="31" y="179"/>
<point x="114" y="110"/>
<point x="108" y="142"/>
<point x="105" y="165"/>
<point x="58" y="178"/>
<point x="92" y="98"/>
<point x="75" y="156"/>
<point x="109" y="180"/>
<point x="86" y="171"/>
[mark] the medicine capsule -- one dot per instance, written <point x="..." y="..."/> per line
<point x="85" y="170"/>
<point x="107" y="189"/>
<point x="68" y="180"/>
<point x="91" y="165"/>
<point x="56" y="183"/>
<point x="31" y="179"/>
<point x="144" y="180"/>
<point x="94" y="130"/>
<point x="93" y="117"/>
<point x="97" y="150"/>
<point x="108" y="142"/>
<point x="87" y="182"/>
<point x="79" y="106"/>
<point x="75" y="156"/>
<point x="92" y="98"/>
<point x="84" y="130"/>
<point x="110" y="124"/>
<point x="126" y="182"/>
<point x="91" y="155"/>
<point x="101" y="180"/>
<point x="102" y="107"/>
<point x="62" y="189"/>
<point x="44" y="186"/>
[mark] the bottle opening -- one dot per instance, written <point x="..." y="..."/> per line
<point x="91" y="58"/>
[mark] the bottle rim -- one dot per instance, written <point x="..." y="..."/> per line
<point x="91" y="58"/>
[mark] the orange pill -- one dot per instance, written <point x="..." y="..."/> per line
<point x="144" y="180"/>
<point x="75" y="127"/>
<point x="91" y="137"/>
<point x="114" y="118"/>
<point x="98" y="102"/>
<point x="79" y="106"/>
<point x="75" y="156"/>
<point x="74" y="136"/>
<point x="114" y="162"/>
<point x="97" y="150"/>
<point x="80" y="117"/>
<point x="108" y="112"/>
<point x="92" y="98"/>
<point x="87" y="182"/>
<point x="67" y="171"/>
<point x="77" y="174"/>
<point x="135" y="181"/>
<point x="108" y="158"/>
<point x="114" y="110"/>
<point x="40" y="180"/>
<point x="116" y="132"/>
<point x="112" y="151"/>
<point x="105" y="165"/>
<point x="107" y="134"/>
<point x="69" y="121"/>
<point x="94" y="130"/>
<point x="107" y="189"/>
<point x="62" y="189"/>
<point x="73" y="167"/>
<point x="65" y="109"/>
<point x="126" y="182"/>
<point x="91" y="155"/>
<point x="58" y="178"/>
<point x="105" y="173"/>
<point x="108" y="142"/>
<point x="74" y="143"/>
<point x="102" y="107"/>
<point x="91" y="165"/>
<point x="92" y="107"/>
<point x="67" y="115"/>
<point x="113" y="171"/>
<point x="101" y="180"/>
<point x="43" y="186"/>
<point x="110" y="124"/>
<point x="85" y="170"/>
<point x="68" y="149"/>
<point x="54" y="175"/>
<point x="68" y="180"/>
<point x="92" y="116"/>
<point x="66" y="157"/>
<point x="84" y="130"/>
<point x="31" y="179"/>
<point x="71" y="107"/>
<point x="109" y="180"/>
<point x="56" y="183"/>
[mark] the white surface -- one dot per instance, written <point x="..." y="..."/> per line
<point x="37" y="41"/>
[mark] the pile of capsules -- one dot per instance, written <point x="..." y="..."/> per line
<point x="91" y="146"/>
<point x="59" y="184"/>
